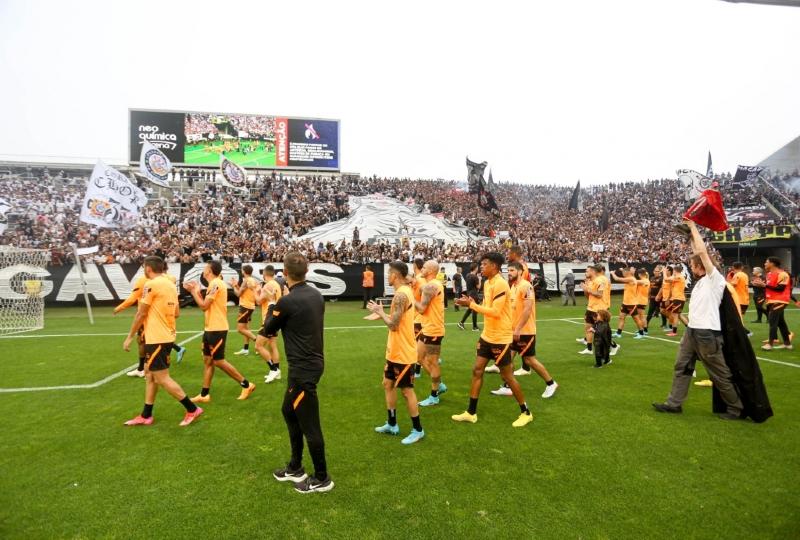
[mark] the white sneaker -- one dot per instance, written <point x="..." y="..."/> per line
<point x="521" y="372"/>
<point x="586" y="351"/>
<point x="243" y="352"/>
<point x="492" y="369"/>
<point x="503" y="391"/>
<point x="550" y="390"/>
<point x="135" y="373"/>
<point x="615" y="350"/>
<point x="581" y="340"/>
<point x="273" y="376"/>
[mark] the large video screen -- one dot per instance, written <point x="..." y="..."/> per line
<point x="251" y="140"/>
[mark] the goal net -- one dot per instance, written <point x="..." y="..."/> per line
<point x="22" y="289"/>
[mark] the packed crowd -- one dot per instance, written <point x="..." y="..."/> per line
<point x="254" y="126"/>
<point x="629" y="221"/>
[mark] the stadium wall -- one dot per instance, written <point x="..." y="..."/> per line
<point x="109" y="284"/>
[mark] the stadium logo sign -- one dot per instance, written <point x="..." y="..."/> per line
<point x="311" y="133"/>
<point x="158" y="139"/>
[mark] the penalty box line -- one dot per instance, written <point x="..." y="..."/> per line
<point x="90" y="385"/>
<point x="678" y="343"/>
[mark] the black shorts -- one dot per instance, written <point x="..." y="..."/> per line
<point x="214" y="344"/>
<point x="588" y="317"/>
<point x="641" y="307"/>
<point x="418" y="331"/>
<point x="156" y="356"/>
<point x="245" y="314"/>
<point x="664" y="305"/>
<point x="401" y="374"/>
<point x="500" y="353"/>
<point x="430" y="340"/>
<point x="627" y="309"/>
<point x="261" y="332"/>
<point x="526" y="346"/>
<point x="743" y="308"/>
<point x="675" y="306"/>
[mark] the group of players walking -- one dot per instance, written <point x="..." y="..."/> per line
<point x="416" y="323"/>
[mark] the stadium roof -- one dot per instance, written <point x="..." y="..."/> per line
<point x="785" y="159"/>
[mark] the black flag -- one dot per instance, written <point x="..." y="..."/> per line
<point x="486" y="199"/>
<point x="490" y="183"/>
<point x="475" y="175"/>
<point x="575" y="202"/>
<point x="746" y="175"/>
<point x="709" y="168"/>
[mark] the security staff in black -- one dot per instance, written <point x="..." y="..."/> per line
<point x="299" y="316"/>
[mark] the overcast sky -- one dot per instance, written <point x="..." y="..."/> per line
<point x="544" y="91"/>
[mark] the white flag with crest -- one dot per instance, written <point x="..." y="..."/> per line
<point x="154" y="165"/>
<point x="233" y="175"/>
<point x="111" y="199"/>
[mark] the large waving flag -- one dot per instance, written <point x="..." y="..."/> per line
<point x="575" y="202"/>
<point x="111" y="199"/>
<point x="475" y="175"/>
<point x="694" y="182"/>
<point x="233" y="175"/>
<point x="154" y="165"/>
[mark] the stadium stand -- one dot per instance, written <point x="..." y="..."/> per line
<point x="200" y="220"/>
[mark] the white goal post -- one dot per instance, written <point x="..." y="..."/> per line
<point x="22" y="289"/>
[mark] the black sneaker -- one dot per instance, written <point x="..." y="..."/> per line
<point x="461" y="326"/>
<point x="312" y="484"/>
<point x="288" y="475"/>
<point x="663" y="407"/>
<point x="729" y="416"/>
<point x="476" y="329"/>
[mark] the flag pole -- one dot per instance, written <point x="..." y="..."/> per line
<point x="83" y="283"/>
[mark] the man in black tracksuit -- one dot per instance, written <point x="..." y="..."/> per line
<point x="473" y="291"/>
<point x="299" y="316"/>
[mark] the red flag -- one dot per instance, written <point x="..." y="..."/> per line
<point x="707" y="211"/>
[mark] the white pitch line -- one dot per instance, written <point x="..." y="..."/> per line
<point x="678" y="343"/>
<point x="90" y="385"/>
<point x="361" y="327"/>
<point x="79" y="335"/>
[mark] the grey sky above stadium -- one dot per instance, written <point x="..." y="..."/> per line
<point x="546" y="91"/>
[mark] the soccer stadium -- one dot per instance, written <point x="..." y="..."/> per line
<point x="228" y="329"/>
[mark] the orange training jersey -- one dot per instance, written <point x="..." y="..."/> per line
<point x="401" y="347"/>
<point x="643" y="292"/>
<point x="419" y="282"/>
<point x="596" y="304"/>
<point x="496" y="310"/>
<point x="678" y="288"/>
<point x="666" y="289"/>
<point x="216" y="316"/>
<point x="247" y="296"/>
<point x="520" y="292"/>
<point x="629" y="294"/>
<point x="135" y="295"/>
<point x="741" y="285"/>
<point x="275" y="288"/>
<point x="159" y="325"/>
<point x="433" y="317"/>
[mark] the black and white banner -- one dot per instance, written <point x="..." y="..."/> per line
<point x="111" y="283"/>
<point x="746" y="174"/>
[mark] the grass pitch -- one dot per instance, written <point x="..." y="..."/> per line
<point x="597" y="462"/>
<point x="196" y="154"/>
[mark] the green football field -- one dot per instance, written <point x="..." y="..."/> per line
<point x="195" y="154"/>
<point x="597" y="462"/>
